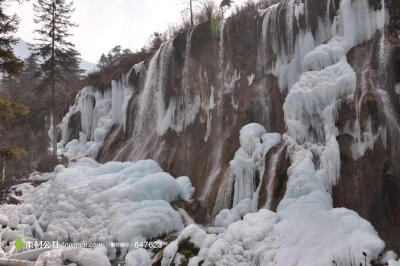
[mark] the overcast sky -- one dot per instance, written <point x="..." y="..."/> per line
<point x="106" y="23"/>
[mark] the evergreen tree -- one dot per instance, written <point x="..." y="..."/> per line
<point x="60" y="59"/>
<point x="126" y="51"/>
<point x="10" y="110"/>
<point x="157" y="40"/>
<point x="9" y="63"/>
<point x="29" y="77"/>
<point x="116" y="51"/>
<point x="110" y="58"/>
<point x="103" y="61"/>
<point x="11" y="86"/>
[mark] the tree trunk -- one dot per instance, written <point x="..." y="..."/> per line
<point x="53" y="85"/>
<point x="4" y="172"/>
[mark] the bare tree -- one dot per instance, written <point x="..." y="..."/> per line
<point x="190" y="7"/>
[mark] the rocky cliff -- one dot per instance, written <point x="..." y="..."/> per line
<point x="325" y="73"/>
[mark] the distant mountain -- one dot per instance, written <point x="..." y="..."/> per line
<point x="21" y="50"/>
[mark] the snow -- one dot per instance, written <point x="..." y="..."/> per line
<point x="3" y="219"/>
<point x="170" y="252"/>
<point x="249" y="161"/>
<point x="311" y="101"/>
<point x="250" y="79"/>
<point x="100" y="203"/>
<point x="394" y="263"/>
<point x="292" y="235"/>
<point x="389" y="255"/>
<point x="138" y="257"/>
<point x="227" y="217"/>
<point x="287" y="238"/>
<point x="397" y="88"/>
<point x="82" y="257"/>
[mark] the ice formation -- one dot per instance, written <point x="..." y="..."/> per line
<point x="319" y="78"/>
<point x="130" y="201"/>
<point x="91" y="202"/>
<point x="247" y="168"/>
<point x="99" y="111"/>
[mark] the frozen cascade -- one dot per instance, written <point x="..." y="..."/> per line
<point x="391" y="121"/>
<point x="221" y="79"/>
<point x="366" y="139"/>
<point x="209" y="108"/>
<point x="153" y="112"/>
<point x="282" y="56"/>
<point x="247" y="168"/>
<point x="217" y="102"/>
<point x="187" y="104"/>
<point x="175" y="112"/>
<point x="221" y="66"/>
<point x="99" y="112"/>
<point x="271" y="175"/>
<point x="228" y="76"/>
<point x="291" y="236"/>
<point x="362" y="140"/>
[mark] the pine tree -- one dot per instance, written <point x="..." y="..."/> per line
<point x="60" y="59"/>
<point x="29" y="77"/>
<point x="103" y="61"/>
<point x="157" y="40"/>
<point x="126" y="51"/>
<point x="9" y="63"/>
<point x="11" y="86"/>
<point x="116" y="51"/>
<point x="11" y="66"/>
<point x="10" y="110"/>
<point x="110" y="58"/>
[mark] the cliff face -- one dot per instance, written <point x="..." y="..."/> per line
<point x="186" y="106"/>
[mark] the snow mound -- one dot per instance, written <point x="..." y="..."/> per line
<point x="120" y="202"/>
<point x="82" y="257"/>
<point x="394" y="263"/>
<point x="227" y="217"/>
<point x="138" y="257"/>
